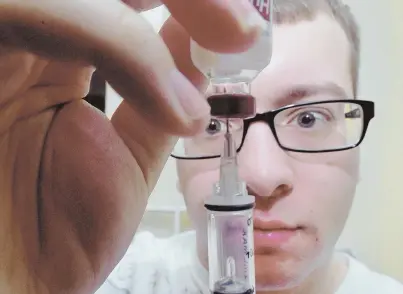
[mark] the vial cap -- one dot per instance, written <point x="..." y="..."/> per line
<point x="232" y="105"/>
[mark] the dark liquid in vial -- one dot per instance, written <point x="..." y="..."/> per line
<point x="250" y="291"/>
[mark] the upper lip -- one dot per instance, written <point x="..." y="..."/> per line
<point x="272" y="225"/>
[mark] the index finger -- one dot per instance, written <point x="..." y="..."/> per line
<point x="224" y="26"/>
<point x="142" y="5"/>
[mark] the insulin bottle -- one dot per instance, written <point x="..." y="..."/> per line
<point x="237" y="70"/>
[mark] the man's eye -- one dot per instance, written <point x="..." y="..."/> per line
<point x="218" y="127"/>
<point x="215" y="126"/>
<point x="308" y="119"/>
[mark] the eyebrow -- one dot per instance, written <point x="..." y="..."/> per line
<point x="296" y="93"/>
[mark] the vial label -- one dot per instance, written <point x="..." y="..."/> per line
<point x="263" y="6"/>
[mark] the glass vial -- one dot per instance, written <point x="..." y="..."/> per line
<point x="233" y="73"/>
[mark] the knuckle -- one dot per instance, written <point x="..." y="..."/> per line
<point x="142" y="5"/>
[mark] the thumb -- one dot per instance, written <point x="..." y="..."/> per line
<point x="177" y="40"/>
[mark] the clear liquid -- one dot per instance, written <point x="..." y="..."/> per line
<point x="237" y="67"/>
<point x="242" y="66"/>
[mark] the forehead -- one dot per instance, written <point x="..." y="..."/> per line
<point x="308" y="54"/>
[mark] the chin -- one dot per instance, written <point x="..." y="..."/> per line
<point x="280" y="272"/>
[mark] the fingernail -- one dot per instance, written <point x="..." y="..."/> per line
<point x="192" y="102"/>
<point x="247" y="14"/>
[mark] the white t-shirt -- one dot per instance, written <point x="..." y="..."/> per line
<point x="171" y="266"/>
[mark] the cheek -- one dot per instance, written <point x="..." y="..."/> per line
<point x="332" y="194"/>
<point x="196" y="182"/>
<point x="326" y="191"/>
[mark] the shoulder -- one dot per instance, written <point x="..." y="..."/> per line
<point x="361" y="279"/>
<point x="148" y="260"/>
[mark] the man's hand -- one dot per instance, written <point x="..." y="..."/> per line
<point x="74" y="186"/>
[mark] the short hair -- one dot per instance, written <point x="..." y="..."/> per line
<point x="292" y="11"/>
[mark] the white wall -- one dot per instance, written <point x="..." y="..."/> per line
<point x="375" y="228"/>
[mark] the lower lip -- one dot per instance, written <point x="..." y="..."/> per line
<point x="273" y="238"/>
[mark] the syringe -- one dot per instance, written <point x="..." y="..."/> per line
<point x="230" y="210"/>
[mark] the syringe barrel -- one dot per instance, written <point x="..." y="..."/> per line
<point x="230" y="245"/>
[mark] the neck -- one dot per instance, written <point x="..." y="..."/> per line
<point x="323" y="280"/>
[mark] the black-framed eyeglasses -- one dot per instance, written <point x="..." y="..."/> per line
<point x="312" y="127"/>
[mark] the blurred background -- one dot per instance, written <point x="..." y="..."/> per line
<point x="374" y="232"/>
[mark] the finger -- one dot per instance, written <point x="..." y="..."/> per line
<point x="142" y="5"/>
<point x="148" y="76"/>
<point x="178" y="42"/>
<point x="124" y="48"/>
<point x="219" y="25"/>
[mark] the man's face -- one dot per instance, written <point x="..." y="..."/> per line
<point x="311" y="193"/>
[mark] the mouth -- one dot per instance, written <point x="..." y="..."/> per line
<point x="272" y="225"/>
<point x="273" y="233"/>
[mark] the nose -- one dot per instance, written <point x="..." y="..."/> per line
<point x="263" y="165"/>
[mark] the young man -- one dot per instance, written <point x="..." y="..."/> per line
<point x="302" y="199"/>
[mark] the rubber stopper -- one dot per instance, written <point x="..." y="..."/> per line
<point x="232" y="105"/>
